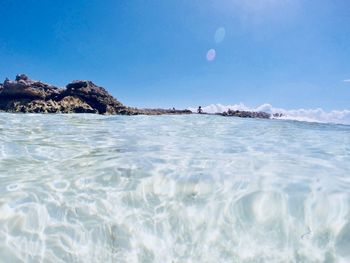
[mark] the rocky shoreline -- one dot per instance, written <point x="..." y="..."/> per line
<point x="24" y="95"/>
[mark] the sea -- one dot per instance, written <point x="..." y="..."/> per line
<point x="169" y="189"/>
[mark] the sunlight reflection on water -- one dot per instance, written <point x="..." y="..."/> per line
<point x="89" y="188"/>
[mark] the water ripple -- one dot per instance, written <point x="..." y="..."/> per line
<point x="90" y="188"/>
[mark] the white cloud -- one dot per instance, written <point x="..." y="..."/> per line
<point x="346" y="80"/>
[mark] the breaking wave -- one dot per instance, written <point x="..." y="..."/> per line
<point x="308" y="115"/>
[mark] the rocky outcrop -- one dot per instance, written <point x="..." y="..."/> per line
<point x="24" y="88"/>
<point x="277" y="115"/>
<point x="30" y="96"/>
<point x="246" y="114"/>
<point x="97" y="97"/>
<point x="66" y="105"/>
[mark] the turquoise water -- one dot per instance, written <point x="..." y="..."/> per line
<point x="89" y="188"/>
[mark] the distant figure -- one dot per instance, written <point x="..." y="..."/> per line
<point x="200" y="110"/>
<point x="174" y="110"/>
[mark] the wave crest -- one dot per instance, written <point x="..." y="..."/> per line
<point x="309" y="115"/>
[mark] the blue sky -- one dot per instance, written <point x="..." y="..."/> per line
<point x="150" y="53"/>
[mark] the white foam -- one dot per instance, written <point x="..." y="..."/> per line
<point x="309" y="115"/>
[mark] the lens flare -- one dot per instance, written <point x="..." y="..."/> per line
<point x="211" y="54"/>
<point x="220" y="34"/>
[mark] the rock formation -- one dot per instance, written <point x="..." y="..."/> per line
<point x="29" y="96"/>
<point x="247" y="114"/>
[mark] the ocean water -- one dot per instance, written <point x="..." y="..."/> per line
<point x="89" y="188"/>
<point x="309" y="115"/>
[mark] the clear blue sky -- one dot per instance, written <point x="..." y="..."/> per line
<point x="290" y="53"/>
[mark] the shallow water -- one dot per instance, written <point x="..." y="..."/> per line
<point x="89" y="188"/>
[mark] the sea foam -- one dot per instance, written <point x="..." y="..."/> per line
<point x="308" y="115"/>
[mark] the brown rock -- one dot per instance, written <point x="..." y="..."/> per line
<point x="97" y="97"/>
<point x="246" y="114"/>
<point x="26" y="95"/>
<point x="23" y="88"/>
<point x="71" y="104"/>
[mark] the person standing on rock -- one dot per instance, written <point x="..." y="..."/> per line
<point x="200" y="110"/>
